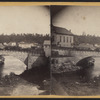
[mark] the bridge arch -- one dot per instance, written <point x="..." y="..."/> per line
<point x="27" y="58"/>
<point x="71" y="57"/>
<point x="17" y="54"/>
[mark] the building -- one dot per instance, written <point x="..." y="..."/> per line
<point x="11" y="44"/>
<point x="47" y="48"/>
<point x="24" y="45"/>
<point x="62" y="37"/>
<point x="1" y="46"/>
<point x="86" y="46"/>
<point x="5" y="44"/>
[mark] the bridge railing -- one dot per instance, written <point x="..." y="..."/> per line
<point x="34" y="53"/>
<point x="72" y="52"/>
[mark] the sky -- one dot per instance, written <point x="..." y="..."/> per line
<point x="80" y="19"/>
<point x="24" y="19"/>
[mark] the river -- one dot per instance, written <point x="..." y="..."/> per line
<point x="12" y="65"/>
<point x="96" y="71"/>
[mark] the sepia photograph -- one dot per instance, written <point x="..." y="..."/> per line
<point x="24" y="50"/>
<point x="50" y="50"/>
<point x="75" y="50"/>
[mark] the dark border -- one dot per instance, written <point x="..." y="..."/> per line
<point x="49" y="98"/>
<point x="49" y="0"/>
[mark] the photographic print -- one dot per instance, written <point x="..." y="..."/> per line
<point x="75" y="50"/>
<point x="51" y="50"/>
<point x="24" y="50"/>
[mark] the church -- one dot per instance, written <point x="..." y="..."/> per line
<point x="62" y="37"/>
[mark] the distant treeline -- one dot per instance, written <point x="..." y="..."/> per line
<point x="38" y="38"/>
<point x="91" y="39"/>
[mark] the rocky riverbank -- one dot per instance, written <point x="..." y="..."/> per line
<point x="13" y="85"/>
<point x="73" y="85"/>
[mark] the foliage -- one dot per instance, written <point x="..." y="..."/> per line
<point x="91" y="39"/>
<point x="29" y="37"/>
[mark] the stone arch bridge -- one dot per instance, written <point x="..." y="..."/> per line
<point x="69" y="58"/>
<point x="78" y="55"/>
<point x="21" y="56"/>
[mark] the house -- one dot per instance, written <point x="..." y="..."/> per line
<point x="46" y="44"/>
<point x="12" y="44"/>
<point x="86" y="46"/>
<point x="1" y="46"/>
<point x="24" y="45"/>
<point x="97" y="45"/>
<point x="62" y="37"/>
<point x="5" y="44"/>
<point x="47" y="48"/>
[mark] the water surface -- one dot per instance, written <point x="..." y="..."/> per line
<point x="12" y="65"/>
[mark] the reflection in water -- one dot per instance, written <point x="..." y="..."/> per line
<point x="12" y="65"/>
<point x="89" y="68"/>
<point x="96" y="71"/>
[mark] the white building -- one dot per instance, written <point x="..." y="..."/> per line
<point x="86" y="46"/>
<point x="5" y="44"/>
<point x="47" y="48"/>
<point x="62" y="37"/>
<point x="25" y="45"/>
<point x="2" y="46"/>
<point x="10" y="44"/>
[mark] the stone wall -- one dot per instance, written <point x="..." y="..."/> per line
<point x="31" y="60"/>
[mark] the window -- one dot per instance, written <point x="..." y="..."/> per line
<point x="53" y="61"/>
<point x="67" y="39"/>
<point x="63" y="38"/>
<point x="60" y="38"/>
<point x="70" y="39"/>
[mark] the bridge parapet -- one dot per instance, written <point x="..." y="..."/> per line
<point x="74" y="53"/>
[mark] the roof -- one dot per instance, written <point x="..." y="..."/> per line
<point x="25" y="43"/>
<point x="46" y="42"/>
<point x="60" y="30"/>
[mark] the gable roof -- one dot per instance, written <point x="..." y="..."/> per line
<point x="61" y="31"/>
